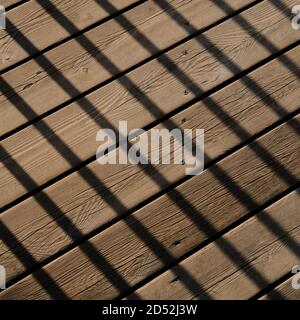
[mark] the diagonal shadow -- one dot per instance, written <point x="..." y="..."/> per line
<point x="234" y="68"/>
<point x="251" y="84"/>
<point x="89" y="177"/>
<point x="264" y="41"/>
<point x="184" y="79"/>
<point x="257" y="148"/>
<point x="27" y="260"/>
<point x="66" y="224"/>
<point x="72" y="231"/>
<point x="63" y="150"/>
<point x="201" y="226"/>
<point x="15" y="5"/>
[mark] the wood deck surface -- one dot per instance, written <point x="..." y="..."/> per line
<point x="71" y="228"/>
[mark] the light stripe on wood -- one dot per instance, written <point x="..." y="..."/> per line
<point x="39" y="85"/>
<point x="77" y="124"/>
<point x="221" y="267"/>
<point x="82" y="202"/>
<point x="163" y="223"/>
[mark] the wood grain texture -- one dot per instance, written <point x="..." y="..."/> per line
<point x="82" y="202"/>
<point x="77" y="124"/>
<point x="40" y="85"/>
<point x="266" y="252"/>
<point x="7" y="3"/>
<point x="171" y="224"/>
<point x="32" y="21"/>
<point x="285" y="290"/>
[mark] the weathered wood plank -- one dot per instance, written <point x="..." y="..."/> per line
<point x="284" y="291"/>
<point x="32" y="21"/>
<point x="256" y="242"/>
<point x="39" y="84"/>
<point x="128" y="246"/>
<point x="82" y="202"/>
<point x="77" y="124"/>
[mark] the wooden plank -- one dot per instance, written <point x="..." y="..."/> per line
<point x="228" y="277"/>
<point x="80" y="200"/>
<point x="169" y="223"/>
<point x="34" y="22"/>
<point x="164" y="93"/>
<point x="284" y="291"/>
<point x="40" y="85"/>
<point x="8" y="3"/>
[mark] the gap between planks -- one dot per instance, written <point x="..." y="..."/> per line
<point x="12" y="4"/>
<point x="284" y="290"/>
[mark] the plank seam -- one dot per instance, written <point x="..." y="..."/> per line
<point x="15" y="5"/>
<point x="272" y="286"/>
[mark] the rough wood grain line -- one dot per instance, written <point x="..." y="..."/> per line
<point x="221" y="277"/>
<point x="42" y="93"/>
<point x="84" y="204"/>
<point x="285" y="290"/>
<point x="77" y="128"/>
<point x="35" y="23"/>
<point x="134" y="259"/>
